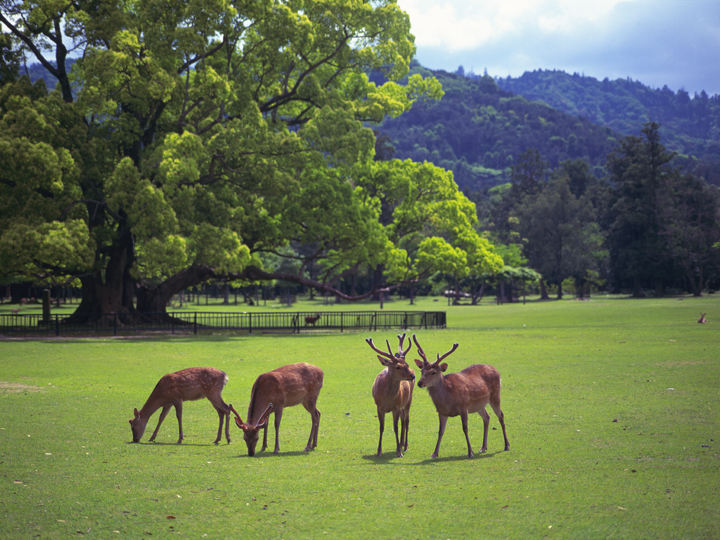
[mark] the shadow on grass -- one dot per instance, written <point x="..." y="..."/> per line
<point x="392" y="459"/>
<point x="273" y="455"/>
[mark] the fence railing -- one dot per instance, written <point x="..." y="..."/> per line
<point x="198" y="322"/>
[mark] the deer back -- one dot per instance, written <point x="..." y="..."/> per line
<point x="284" y="387"/>
<point x="468" y="390"/>
<point x="186" y="385"/>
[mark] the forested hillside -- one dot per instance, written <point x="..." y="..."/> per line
<point x="689" y="126"/>
<point x="477" y="130"/>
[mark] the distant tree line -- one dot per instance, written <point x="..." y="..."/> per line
<point x="646" y="228"/>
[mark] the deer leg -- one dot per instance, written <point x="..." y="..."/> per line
<point x="486" y="425"/>
<point x="443" y="422"/>
<point x="464" y="418"/>
<point x="178" y="413"/>
<point x="227" y="423"/>
<point x="278" y="417"/>
<point x="501" y="418"/>
<point x="316" y="427"/>
<point x="163" y="414"/>
<point x="222" y="416"/>
<point x="311" y="407"/>
<point x="405" y="419"/>
<point x="264" y="445"/>
<point x="398" y="439"/>
<point x="381" y="419"/>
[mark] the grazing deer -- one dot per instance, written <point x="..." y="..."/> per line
<point x="702" y="318"/>
<point x="273" y="391"/>
<point x="312" y="320"/>
<point x="15" y="311"/>
<point x="392" y="391"/>
<point x="461" y="393"/>
<point x="187" y="385"/>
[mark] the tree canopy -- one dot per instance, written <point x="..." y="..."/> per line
<point x="189" y="140"/>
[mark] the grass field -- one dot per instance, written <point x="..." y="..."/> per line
<point x="612" y="408"/>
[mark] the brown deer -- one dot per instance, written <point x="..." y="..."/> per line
<point x="461" y="393"/>
<point x="187" y="385"/>
<point x="312" y="320"/>
<point x="273" y="391"/>
<point x="702" y="318"/>
<point x="392" y="391"/>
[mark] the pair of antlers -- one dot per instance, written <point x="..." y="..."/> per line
<point x="439" y="358"/>
<point x="261" y="423"/>
<point x="401" y="354"/>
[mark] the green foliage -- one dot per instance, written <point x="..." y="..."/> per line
<point x="689" y="126"/>
<point x="478" y="130"/>
<point x="610" y="407"/>
<point x="191" y="138"/>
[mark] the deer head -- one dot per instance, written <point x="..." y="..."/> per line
<point x="395" y="362"/>
<point x="250" y="431"/>
<point x="138" y="425"/>
<point x="431" y="371"/>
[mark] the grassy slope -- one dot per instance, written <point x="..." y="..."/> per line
<point x="569" y="369"/>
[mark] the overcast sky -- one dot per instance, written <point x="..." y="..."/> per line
<point x="657" y="42"/>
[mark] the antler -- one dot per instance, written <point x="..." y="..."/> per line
<point x="455" y="346"/>
<point x="232" y="409"/>
<point x="402" y="353"/>
<point x="264" y="416"/>
<point x="390" y="356"/>
<point x="420" y="350"/>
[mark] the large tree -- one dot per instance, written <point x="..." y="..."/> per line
<point x="640" y="173"/>
<point x="191" y="138"/>
<point x="563" y="239"/>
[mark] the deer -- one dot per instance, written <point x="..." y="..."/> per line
<point x="458" y="394"/>
<point x="312" y="320"/>
<point x="392" y="391"/>
<point x="186" y="385"/>
<point x="702" y="318"/>
<point x="285" y="386"/>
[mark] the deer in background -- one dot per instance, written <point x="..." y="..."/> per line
<point x="392" y="391"/>
<point x="312" y="320"/>
<point x="187" y="385"/>
<point x="702" y="319"/>
<point x="458" y="394"/>
<point x="286" y="386"/>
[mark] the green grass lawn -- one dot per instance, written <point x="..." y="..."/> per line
<point x="612" y="409"/>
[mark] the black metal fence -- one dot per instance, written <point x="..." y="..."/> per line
<point x="199" y="322"/>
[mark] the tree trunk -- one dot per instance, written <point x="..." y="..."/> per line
<point x="543" y="291"/>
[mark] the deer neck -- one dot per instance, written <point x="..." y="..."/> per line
<point x="440" y="392"/>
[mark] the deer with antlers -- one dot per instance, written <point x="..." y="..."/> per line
<point x="186" y="385"/>
<point x="458" y="394"/>
<point x="392" y="391"/>
<point x="285" y="386"/>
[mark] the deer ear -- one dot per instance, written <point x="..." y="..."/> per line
<point x="136" y="413"/>
<point x="384" y="361"/>
<point x="443" y="367"/>
<point x="419" y="363"/>
<point x="240" y="423"/>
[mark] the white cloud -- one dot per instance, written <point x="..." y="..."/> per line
<point x="673" y="42"/>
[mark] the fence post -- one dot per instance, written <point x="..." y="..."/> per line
<point x="249" y="323"/>
<point x="341" y="322"/>
<point x="195" y="322"/>
<point x="57" y="325"/>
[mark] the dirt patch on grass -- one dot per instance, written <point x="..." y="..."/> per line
<point x="17" y="388"/>
<point x="682" y="363"/>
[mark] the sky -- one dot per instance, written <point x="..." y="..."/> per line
<point x="657" y="42"/>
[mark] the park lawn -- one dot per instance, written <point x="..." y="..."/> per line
<point x="611" y="405"/>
